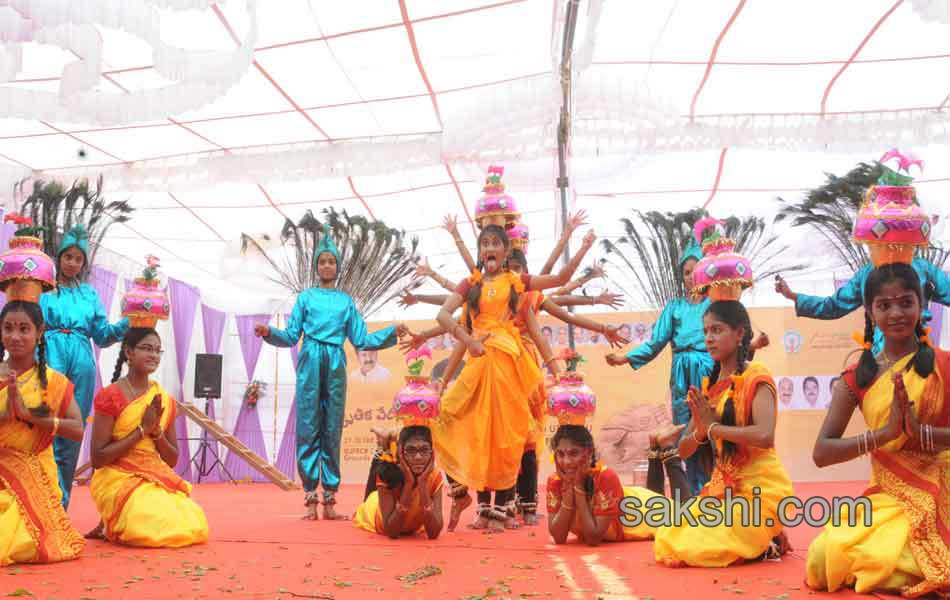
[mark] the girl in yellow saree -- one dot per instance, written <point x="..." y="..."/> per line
<point x="141" y="499"/>
<point x="736" y="413"/>
<point x="903" y="394"/>
<point x="36" y="404"/>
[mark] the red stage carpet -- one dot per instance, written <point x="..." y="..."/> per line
<point x="260" y="548"/>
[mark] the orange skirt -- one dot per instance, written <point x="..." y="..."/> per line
<point x="486" y="419"/>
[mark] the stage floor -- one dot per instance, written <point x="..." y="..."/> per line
<point x="260" y="548"/>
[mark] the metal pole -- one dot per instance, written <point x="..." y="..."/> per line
<point x="563" y="130"/>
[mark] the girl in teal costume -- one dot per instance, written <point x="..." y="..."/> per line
<point x="681" y="323"/>
<point x="74" y="315"/>
<point x="325" y="317"/>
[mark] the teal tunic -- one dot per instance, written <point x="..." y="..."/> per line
<point x="681" y="325"/>
<point x="849" y="297"/>
<point x="325" y="319"/>
<point x="73" y="316"/>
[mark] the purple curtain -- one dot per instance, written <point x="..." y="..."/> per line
<point x="184" y="300"/>
<point x="103" y="281"/>
<point x="287" y="455"/>
<point x="248" y="426"/>
<point x="212" y="322"/>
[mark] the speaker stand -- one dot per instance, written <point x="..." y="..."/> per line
<point x="205" y="448"/>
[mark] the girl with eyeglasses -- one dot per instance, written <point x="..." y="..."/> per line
<point x="141" y="500"/>
<point x="404" y="491"/>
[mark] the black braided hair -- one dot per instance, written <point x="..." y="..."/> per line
<point x="924" y="359"/>
<point x="734" y="315"/>
<point x="390" y="473"/>
<point x="133" y="336"/>
<point x="867" y="366"/>
<point x="475" y="293"/>
<point x="581" y="436"/>
<point x="35" y="314"/>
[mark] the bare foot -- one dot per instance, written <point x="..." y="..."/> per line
<point x="458" y="506"/>
<point x="667" y="436"/>
<point x="481" y="522"/>
<point x="382" y="437"/>
<point x="330" y="514"/>
<point x="511" y="523"/>
<point x="531" y="519"/>
<point x="311" y="514"/>
<point x="496" y="526"/>
<point x="98" y="533"/>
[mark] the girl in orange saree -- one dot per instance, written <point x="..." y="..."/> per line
<point x="36" y="404"/>
<point x="486" y="419"/>
<point x="141" y="499"/>
<point x="903" y="393"/>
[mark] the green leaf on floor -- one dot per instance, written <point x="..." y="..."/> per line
<point x="20" y="592"/>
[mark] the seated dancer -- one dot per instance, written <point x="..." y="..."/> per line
<point x="141" y="500"/>
<point x="681" y="326"/>
<point x="736" y="412"/>
<point x="903" y="545"/>
<point x="36" y="404"/>
<point x="403" y="490"/>
<point x="325" y="318"/>
<point x="583" y="496"/>
<point x="896" y="189"/>
<point x="486" y="418"/>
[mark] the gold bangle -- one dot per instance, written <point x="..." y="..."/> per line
<point x="142" y="431"/>
<point x="55" y="425"/>
<point x="709" y="430"/>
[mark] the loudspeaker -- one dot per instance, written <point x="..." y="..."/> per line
<point x="208" y="376"/>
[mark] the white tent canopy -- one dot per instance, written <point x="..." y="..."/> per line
<point x="393" y="110"/>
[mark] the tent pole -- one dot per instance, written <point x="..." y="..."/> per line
<point x="563" y="130"/>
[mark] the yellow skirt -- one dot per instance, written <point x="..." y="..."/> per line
<point x="486" y="420"/>
<point x="642" y="531"/>
<point x="16" y="543"/>
<point x="152" y="517"/>
<point x="365" y="517"/>
<point x="875" y="558"/>
<point x="720" y="545"/>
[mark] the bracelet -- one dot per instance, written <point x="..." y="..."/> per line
<point x="709" y="430"/>
<point x="699" y="441"/>
<point x="55" y="425"/>
<point x="926" y="438"/>
<point x="142" y="431"/>
<point x="862" y="441"/>
<point x="566" y="505"/>
<point x="577" y="489"/>
<point x="872" y="439"/>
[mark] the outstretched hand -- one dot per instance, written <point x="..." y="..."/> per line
<point x="615" y="360"/>
<point x="782" y="288"/>
<point x="616" y="340"/>
<point x="261" y="330"/>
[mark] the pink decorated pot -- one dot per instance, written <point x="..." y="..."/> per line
<point x="145" y="304"/>
<point x="891" y="224"/>
<point x="25" y="270"/>
<point x="495" y="207"/>
<point x="518" y="236"/>
<point x="722" y="274"/>
<point x="570" y="400"/>
<point x="418" y="402"/>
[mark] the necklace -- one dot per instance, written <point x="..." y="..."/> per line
<point x="889" y="362"/>
<point x="132" y="391"/>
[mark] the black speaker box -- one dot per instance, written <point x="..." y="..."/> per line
<point x="208" y="376"/>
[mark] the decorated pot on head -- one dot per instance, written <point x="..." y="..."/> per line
<point x="25" y="270"/>
<point x="570" y="400"/>
<point x="496" y="207"/>
<point x="418" y="402"/>
<point x="721" y="274"/>
<point x="518" y="236"/>
<point x="145" y="303"/>
<point x="891" y="222"/>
